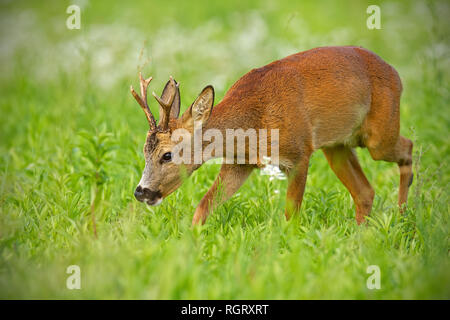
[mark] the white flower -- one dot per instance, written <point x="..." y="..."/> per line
<point x="271" y="170"/>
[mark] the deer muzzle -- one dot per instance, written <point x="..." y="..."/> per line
<point x="152" y="198"/>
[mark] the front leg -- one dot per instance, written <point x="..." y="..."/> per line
<point x="296" y="187"/>
<point x="229" y="180"/>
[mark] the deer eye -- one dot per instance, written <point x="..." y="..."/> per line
<point x="167" y="156"/>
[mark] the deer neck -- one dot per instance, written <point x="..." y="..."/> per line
<point x="221" y="119"/>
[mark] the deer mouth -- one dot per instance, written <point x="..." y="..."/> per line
<point x="154" y="202"/>
<point x="151" y="198"/>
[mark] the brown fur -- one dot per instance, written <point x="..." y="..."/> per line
<point x="330" y="98"/>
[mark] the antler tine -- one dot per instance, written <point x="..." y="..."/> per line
<point x="142" y="100"/>
<point x="167" y="105"/>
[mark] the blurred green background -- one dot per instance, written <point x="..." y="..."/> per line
<point x="71" y="137"/>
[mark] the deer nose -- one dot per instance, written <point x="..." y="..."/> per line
<point x="139" y="193"/>
<point x="143" y="194"/>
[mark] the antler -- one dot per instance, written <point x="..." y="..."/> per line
<point x="166" y="106"/>
<point x="142" y="100"/>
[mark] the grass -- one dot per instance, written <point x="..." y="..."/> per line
<point x="71" y="140"/>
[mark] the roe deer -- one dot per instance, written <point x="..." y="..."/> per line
<point x="329" y="98"/>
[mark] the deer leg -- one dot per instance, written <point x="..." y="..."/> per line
<point x="230" y="179"/>
<point x="344" y="163"/>
<point x="296" y="187"/>
<point x="401" y="153"/>
<point x="403" y="150"/>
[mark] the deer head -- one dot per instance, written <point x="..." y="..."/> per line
<point x="161" y="175"/>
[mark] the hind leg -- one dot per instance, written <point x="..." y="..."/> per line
<point x="381" y="132"/>
<point x="401" y="153"/>
<point x="345" y="165"/>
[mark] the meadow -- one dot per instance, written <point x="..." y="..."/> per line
<point x="71" y="138"/>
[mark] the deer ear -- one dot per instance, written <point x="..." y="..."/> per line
<point x="167" y="92"/>
<point x="201" y="108"/>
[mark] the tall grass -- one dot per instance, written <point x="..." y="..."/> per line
<point x="71" y="156"/>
